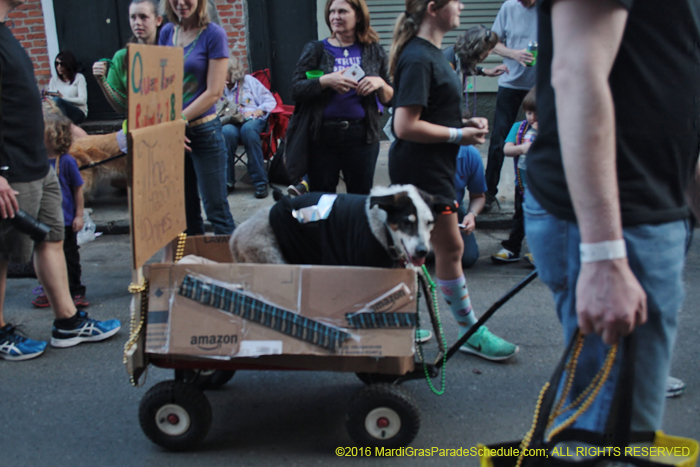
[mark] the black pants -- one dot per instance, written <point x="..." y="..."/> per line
<point x="342" y="148"/>
<point x="508" y="103"/>
<point x="517" y="231"/>
<point x="72" y="254"/>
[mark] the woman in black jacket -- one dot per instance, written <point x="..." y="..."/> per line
<point x="344" y="130"/>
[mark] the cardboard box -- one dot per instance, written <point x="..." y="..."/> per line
<point x="325" y="296"/>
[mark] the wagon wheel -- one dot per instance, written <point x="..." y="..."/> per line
<point x="382" y="415"/>
<point x="175" y="415"/>
<point x="374" y="378"/>
<point x="205" y="379"/>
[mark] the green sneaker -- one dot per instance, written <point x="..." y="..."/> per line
<point x="488" y="346"/>
<point x="423" y="335"/>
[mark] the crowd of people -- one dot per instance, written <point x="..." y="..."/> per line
<point x="607" y="221"/>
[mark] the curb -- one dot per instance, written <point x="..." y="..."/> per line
<point x="114" y="228"/>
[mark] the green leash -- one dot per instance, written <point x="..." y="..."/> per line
<point x="421" y="359"/>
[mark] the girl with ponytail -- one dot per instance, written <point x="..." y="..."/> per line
<point x="429" y="130"/>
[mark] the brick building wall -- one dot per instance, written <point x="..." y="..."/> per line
<point x="27" y="24"/>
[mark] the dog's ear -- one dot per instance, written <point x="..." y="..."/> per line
<point x="389" y="202"/>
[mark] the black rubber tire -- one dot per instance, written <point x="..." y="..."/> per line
<point x="206" y="380"/>
<point x="376" y="378"/>
<point x="187" y="402"/>
<point x="382" y="396"/>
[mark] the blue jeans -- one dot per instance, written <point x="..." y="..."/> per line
<point x="69" y="110"/>
<point x="656" y="257"/>
<point x="205" y="175"/>
<point x="249" y="135"/>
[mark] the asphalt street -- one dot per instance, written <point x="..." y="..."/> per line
<point x="75" y="407"/>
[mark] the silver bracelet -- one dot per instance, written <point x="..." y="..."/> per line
<point x="602" y="251"/>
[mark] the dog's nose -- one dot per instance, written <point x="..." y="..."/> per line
<point x="421" y="251"/>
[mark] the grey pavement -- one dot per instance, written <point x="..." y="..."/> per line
<point x="110" y="207"/>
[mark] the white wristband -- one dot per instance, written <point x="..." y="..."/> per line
<point x="602" y="251"/>
<point x="455" y="135"/>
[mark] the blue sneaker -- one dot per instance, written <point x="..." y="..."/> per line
<point x="85" y="330"/>
<point x="15" y="347"/>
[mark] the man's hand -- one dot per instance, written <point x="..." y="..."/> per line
<point x="8" y="200"/>
<point x="468" y="223"/>
<point x="522" y="56"/>
<point x="609" y="299"/>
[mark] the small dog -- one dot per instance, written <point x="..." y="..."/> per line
<point x="388" y="228"/>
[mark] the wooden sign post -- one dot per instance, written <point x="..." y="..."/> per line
<point x="156" y="135"/>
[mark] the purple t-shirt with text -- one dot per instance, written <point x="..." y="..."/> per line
<point x="211" y="44"/>
<point x="346" y="106"/>
<point x="69" y="178"/>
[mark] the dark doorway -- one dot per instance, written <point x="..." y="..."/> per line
<point x="279" y="29"/>
<point x="93" y="30"/>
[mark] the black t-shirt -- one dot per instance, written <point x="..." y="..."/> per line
<point x="343" y="239"/>
<point x="655" y="83"/>
<point x="21" y="119"/>
<point x="424" y="77"/>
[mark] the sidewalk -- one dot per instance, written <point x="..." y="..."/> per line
<point x="111" y="211"/>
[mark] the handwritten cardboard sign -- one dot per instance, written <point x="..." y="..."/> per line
<point x="158" y="190"/>
<point x="154" y="83"/>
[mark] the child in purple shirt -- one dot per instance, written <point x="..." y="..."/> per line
<point x="58" y="138"/>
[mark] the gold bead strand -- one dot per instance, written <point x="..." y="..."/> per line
<point x="180" y="250"/>
<point x="604" y="373"/>
<point x="528" y="437"/>
<point x="570" y="373"/>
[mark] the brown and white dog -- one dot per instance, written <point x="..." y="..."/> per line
<point x="96" y="148"/>
<point x="389" y="228"/>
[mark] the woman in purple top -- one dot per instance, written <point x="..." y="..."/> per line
<point x="206" y="57"/>
<point x="345" y="128"/>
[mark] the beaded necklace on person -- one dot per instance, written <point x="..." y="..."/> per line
<point x="191" y="44"/>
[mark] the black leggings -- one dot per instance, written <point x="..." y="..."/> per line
<point x="72" y="253"/>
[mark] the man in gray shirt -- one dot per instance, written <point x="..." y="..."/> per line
<point x="516" y="26"/>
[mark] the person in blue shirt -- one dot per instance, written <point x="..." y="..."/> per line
<point x="469" y="177"/>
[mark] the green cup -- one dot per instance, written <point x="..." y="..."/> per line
<point x="313" y="74"/>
